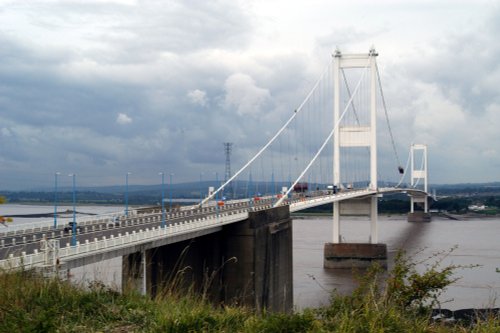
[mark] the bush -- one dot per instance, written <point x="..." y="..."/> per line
<point x="398" y="301"/>
<point x="395" y="301"/>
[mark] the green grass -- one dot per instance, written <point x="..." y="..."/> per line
<point x="396" y="301"/>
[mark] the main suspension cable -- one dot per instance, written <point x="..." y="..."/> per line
<point x="269" y="142"/>
<point x="335" y="127"/>
<point x="387" y="120"/>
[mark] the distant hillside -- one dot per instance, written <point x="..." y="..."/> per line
<point x="151" y="194"/>
<point x="140" y="194"/>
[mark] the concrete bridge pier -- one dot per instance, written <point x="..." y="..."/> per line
<point x="339" y="254"/>
<point x="248" y="262"/>
<point x="422" y="215"/>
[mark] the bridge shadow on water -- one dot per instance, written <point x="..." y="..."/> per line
<point x="408" y="239"/>
<point x="314" y="284"/>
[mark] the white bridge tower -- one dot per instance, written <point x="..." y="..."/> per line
<point x="419" y="174"/>
<point x="340" y="254"/>
<point x="355" y="136"/>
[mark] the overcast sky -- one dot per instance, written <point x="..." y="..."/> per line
<point x="103" y="87"/>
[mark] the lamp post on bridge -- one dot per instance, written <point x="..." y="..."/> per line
<point x="250" y="192"/>
<point x="163" y="223"/>
<point x="55" y="198"/>
<point x="201" y="187"/>
<point x="73" y="226"/>
<point x="217" y="194"/>
<point x="171" y="190"/>
<point x="126" y="193"/>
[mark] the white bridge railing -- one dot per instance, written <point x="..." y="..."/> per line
<point x="96" y="246"/>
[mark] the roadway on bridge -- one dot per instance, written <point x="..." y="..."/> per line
<point x="29" y="240"/>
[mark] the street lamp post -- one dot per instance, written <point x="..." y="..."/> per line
<point x="250" y="190"/>
<point x="217" y="194"/>
<point x="73" y="227"/>
<point x="170" y="208"/>
<point x="126" y="193"/>
<point x="55" y="199"/>
<point x="162" y="199"/>
<point x="201" y="187"/>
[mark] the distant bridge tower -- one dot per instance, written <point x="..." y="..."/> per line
<point x="419" y="174"/>
<point x="228" y="146"/>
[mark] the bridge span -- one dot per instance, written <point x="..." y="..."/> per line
<point x="100" y="236"/>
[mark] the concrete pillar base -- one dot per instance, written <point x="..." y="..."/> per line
<point x="419" y="216"/>
<point x="349" y="255"/>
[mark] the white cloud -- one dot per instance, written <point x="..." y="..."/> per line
<point x="198" y="97"/>
<point x="123" y="119"/>
<point x="244" y="95"/>
<point x="4" y="131"/>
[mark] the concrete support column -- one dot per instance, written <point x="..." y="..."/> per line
<point x="136" y="272"/>
<point x="144" y="264"/>
<point x="373" y="220"/>
<point x="248" y="262"/>
<point x="336" y="222"/>
<point x="262" y="276"/>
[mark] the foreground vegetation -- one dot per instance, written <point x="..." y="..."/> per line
<point x="398" y="301"/>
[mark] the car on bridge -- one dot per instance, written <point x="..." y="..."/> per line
<point x="115" y="222"/>
<point x="69" y="227"/>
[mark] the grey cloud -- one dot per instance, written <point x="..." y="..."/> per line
<point x="59" y="107"/>
<point x="465" y="65"/>
<point x="141" y="32"/>
<point x="445" y="98"/>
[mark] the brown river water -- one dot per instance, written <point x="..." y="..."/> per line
<point x="477" y="242"/>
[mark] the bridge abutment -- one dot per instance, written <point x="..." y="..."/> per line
<point x="248" y="263"/>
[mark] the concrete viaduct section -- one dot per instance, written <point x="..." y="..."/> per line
<point x="248" y="262"/>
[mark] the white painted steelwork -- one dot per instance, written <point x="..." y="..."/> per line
<point x="419" y="174"/>
<point x="355" y="136"/>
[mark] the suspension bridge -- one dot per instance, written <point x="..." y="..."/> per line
<point x="326" y="152"/>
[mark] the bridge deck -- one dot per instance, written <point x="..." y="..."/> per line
<point x="101" y="238"/>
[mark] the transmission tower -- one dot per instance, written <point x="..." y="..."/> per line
<point x="228" y="146"/>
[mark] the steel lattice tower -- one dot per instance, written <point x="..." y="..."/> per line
<point x="228" y="146"/>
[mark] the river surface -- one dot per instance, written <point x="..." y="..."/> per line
<point x="477" y="242"/>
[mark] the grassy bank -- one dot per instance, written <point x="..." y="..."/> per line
<point x="398" y="301"/>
